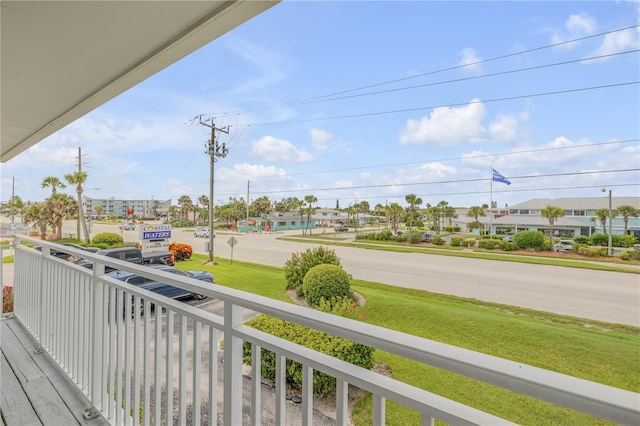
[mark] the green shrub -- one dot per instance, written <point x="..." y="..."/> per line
<point x="531" y="240"/>
<point x="107" y="239"/>
<point x="507" y="246"/>
<point x="414" y="237"/>
<point x="437" y="240"/>
<point x="626" y="241"/>
<point x="300" y="263"/>
<point x="489" y="244"/>
<point x="325" y="282"/>
<point x="323" y="384"/>
<point x="585" y="250"/>
<point x="456" y="241"/>
<point x="599" y="240"/>
<point x="386" y="235"/>
<point x="182" y="223"/>
<point x="581" y="239"/>
<point x="625" y="255"/>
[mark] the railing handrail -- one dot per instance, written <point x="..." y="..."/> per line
<point x="597" y="399"/>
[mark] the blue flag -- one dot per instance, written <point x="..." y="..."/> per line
<point x="497" y="177"/>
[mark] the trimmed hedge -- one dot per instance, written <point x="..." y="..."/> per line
<point x="325" y="282"/>
<point x="107" y="239"/>
<point x="340" y="348"/>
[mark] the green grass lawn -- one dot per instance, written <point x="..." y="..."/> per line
<point x="596" y="351"/>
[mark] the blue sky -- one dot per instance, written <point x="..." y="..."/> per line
<point x="353" y="101"/>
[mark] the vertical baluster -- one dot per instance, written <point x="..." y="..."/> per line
<point x="378" y="410"/>
<point x="182" y="368"/>
<point x="232" y="365"/>
<point x="146" y="400"/>
<point x="256" y="384"/>
<point x="157" y="373"/>
<point x="197" y="372"/>
<point x="281" y="388"/>
<point x="213" y="376"/>
<point x="169" y="376"/>
<point x="307" y="395"/>
<point x="137" y="304"/>
<point x="342" y="393"/>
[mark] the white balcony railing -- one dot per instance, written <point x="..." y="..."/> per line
<point x="167" y="361"/>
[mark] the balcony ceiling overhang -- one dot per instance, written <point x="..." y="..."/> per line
<point x="61" y="59"/>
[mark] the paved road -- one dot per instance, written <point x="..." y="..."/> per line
<point x="605" y="296"/>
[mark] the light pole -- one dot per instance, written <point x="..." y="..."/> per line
<point x="609" y="247"/>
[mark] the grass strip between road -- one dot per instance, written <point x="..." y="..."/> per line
<point x="531" y="258"/>
<point x="597" y="351"/>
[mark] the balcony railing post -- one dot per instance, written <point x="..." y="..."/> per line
<point x="232" y="365"/>
<point x="96" y="367"/>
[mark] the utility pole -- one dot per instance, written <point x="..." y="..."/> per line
<point x="215" y="151"/>
<point x="248" y="183"/>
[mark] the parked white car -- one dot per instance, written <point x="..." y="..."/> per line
<point x="201" y="233"/>
<point x="564" y="245"/>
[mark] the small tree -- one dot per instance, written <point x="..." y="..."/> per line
<point x="552" y="214"/>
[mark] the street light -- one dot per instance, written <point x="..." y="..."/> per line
<point x="609" y="247"/>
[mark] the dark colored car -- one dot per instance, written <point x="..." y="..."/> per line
<point x="64" y="255"/>
<point x="163" y="288"/>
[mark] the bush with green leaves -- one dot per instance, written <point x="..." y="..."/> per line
<point x="488" y="243"/>
<point x="531" y="240"/>
<point x="340" y="348"/>
<point x="414" y="237"/>
<point x="507" y="246"/>
<point x="585" y="250"/>
<point x="325" y="282"/>
<point x="182" y="223"/>
<point x="581" y="239"/>
<point x="300" y="263"/>
<point x="107" y="240"/>
<point x="456" y="241"/>
<point x="625" y="241"/>
<point x="437" y="240"/>
<point x="599" y="240"/>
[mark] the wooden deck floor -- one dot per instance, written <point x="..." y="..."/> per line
<point x="34" y="390"/>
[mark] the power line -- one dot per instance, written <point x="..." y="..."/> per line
<point x="458" y="104"/>
<point x="446" y="159"/>
<point x="323" y="97"/>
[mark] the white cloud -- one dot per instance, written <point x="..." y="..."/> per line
<point x="576" y="26"/>
<point x="274" y="149"/>
<point x="447" y="126"/>
<point x="504" y="128"/>
<point x="321" y="139"/>
<point x="244" y="171"/>
<point x="581" y="24"/>
<point x="470" y="60"/>
<point x="617" y="42"/>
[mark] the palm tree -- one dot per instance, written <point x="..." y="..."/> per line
<point x="552" y="214"/>
<point x="99" y="210"/>
<point x="185" y="205"/>
<point x="262" y="205"/>
<point x="54" y="183"/>
<point x="414" y="201"/>
<point x="172" y="212"/>
<point x="602" y="215"/>
<point x="475" y="212"/>
<point x="79" y="178"/>
<point x="59" y="207"/>
<point x="395" y="214"/>
<point x="36" y="215"/>
<point x="309" y="199"/>
<point x="626" y="212"/>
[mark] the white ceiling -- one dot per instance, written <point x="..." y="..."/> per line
<point x="61" y="59"/>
